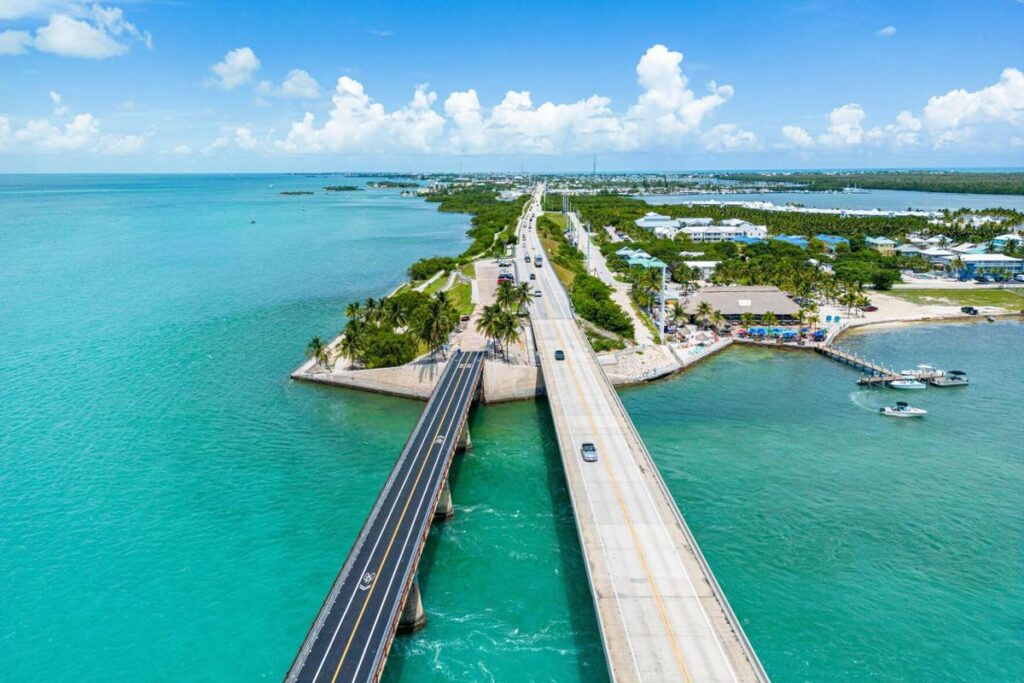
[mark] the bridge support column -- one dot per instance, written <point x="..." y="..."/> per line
<point x="413" y="618"/>
<point x="465" y="443"/>
<point x="445" y="507"/>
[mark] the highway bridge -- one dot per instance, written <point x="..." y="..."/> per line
<point x="662" y="615"/>
<point x="376" y="592"/>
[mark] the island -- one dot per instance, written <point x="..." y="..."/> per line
<point x="342" y="188"/>
<point x="291" y="193"/>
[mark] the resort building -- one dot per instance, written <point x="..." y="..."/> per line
<point x="883" y="245"/>
<point x="706" y="268"/>
<point x="701" y="229"/>
<point x="639" y="257"/>
<point x="733" y="302"/>
<point x="908" y="250"/>
<point x="999" y="243"/>
<point x="967" y="266"/>
<point x="652" y="220"/>
<point x="831" y="242"/>
<point x="937" y="254"/>
<point x="969" y="248"/>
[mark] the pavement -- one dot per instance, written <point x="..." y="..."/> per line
<point x="351" y="636"/>
<point x="661" y="613"/>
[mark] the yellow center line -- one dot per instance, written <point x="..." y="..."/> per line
<point x="398" y="526"/>
<point x="662" y="611"/>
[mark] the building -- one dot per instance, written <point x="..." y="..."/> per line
<point x="969" y="248"/>
<point x="795" y="240"/>
<point x="652" y="220"/>
<point x="967" y="266"/>
<point x="733" y="302"/>
<point x="639" y="257"/>
<point x="883" y="245"/>
<point x="706" y="268"/>
<point x="999" y="243"/>
<point x="831" y="242"/>
<point x="908" y="250"/>
<point x="937" y="254"/>
<point x="701" y="229"/>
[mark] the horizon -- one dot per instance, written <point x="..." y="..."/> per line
<point x="146" y="87"/>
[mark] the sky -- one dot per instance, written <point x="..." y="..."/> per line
<point x="231" y="86"/>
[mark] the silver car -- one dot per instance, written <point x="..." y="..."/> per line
<point x="589" y="452"/>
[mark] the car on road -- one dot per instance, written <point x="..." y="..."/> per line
<point x="559" y="354"/>
<point x="588" y="451"/>
<point x="526" y="258"/>
<point x="503" y="263"/>
<point x="536" y="292"/>
<point x="869" y="309"/>
<point x="533" y="276"/>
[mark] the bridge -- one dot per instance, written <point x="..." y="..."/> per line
<point x="376" y="592"/>
<point x="662" y="614"/>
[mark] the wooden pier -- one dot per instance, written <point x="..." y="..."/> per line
<point x="874" y="373"/>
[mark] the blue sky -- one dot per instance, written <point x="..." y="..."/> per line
<point x="254" y="86"/>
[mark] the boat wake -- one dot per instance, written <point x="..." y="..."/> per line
<point x="865" y="400"/>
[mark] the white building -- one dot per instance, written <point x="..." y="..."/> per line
<point x="706" y="268"/>
<point x="701" y="229"/>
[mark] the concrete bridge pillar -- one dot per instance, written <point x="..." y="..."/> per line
<point x="445" y="507"/>
<point x="465" y="443"/>
<point x="413" y="618"/>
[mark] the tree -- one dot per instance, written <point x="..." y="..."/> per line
<point x="717" y="319"/>
<point x="353" y="310"/>
<point x="524" y="294"/>
<point x="435" y="320"/>
<point x="704" y="311"/>
<point x="677" y="313"/>
<point x="769" y="319"/>
<point x="321" y="352"/>
<point x="508" y="331"/>
<point x="353" y="340"/>
<point x="489" y="322"/>
<point x="505" y="296"/>
<point x="747" y="320"/>
<point x="393" y="314"/>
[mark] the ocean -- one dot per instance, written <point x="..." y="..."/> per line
<point x="175" y="508"/>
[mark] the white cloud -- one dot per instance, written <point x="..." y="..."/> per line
<point x="58" y="108"/>
<point x="728" y="137"/>
<point x="182" y="150"/>
<point x="244" y="139"/>
<point x="1001" y="102"/>
<point x="121" y="145"/>
<point x="74" y="38"/>
<point x="844" y="126"/>
<point x="905" y="130"/>
<point x="79" y="134"/>
<point x="796" y="135"/>
<point x="666" y="112"/>
<point x="14" y="42"/>
<point x="299" y="85"/>
<point x="237" y="69"/>
<point x="887" y="32"/>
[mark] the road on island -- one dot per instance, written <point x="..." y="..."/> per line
<point x="661" y="613"/>
<point x="351" y="636"/>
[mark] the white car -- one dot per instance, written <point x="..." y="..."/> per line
<point x="589" y="452"/>
<point x="536" y="292"/>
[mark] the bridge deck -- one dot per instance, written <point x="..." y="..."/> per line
<point x="351" y="636"/>
<point x="661" y="612"/>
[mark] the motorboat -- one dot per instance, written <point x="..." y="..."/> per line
<point x="908" y="383"/>
<point x="953" y="378"/>
<point x="902" y="409"/>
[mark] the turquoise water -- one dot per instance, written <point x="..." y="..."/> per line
<point x="174" y="508"/>
<point x="887" y="200"/>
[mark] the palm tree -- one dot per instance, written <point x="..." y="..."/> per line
<point x="435" y="322"/>
<point x="704" y="311"/>
<point x="393" y="314"/>
<point x="717" y="319"/>
<point x="505" y="296"/>
<point x="353" y="339"/>
<point x="508" y="331"/>
<point x="489" y="322"/>
<point x="812" y="319"/>
<point x="769" y="319"/>
<point x="747" y="320"/>
<point x="320" y="351"/>
<point x="524" y="294"/>
<point x="353" y="310"/>
<point x="677" y="312"/>
<point x="372" y="310"/>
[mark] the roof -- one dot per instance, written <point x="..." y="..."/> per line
<point x="989" y="258"/>
<point x="831" y="239"/>
<point x="743" y="239"/>
<point x="740" y="300"/>
<point x="702" y="264"/>
<point x="879" y="241"/>
<point x="792" y="239"/>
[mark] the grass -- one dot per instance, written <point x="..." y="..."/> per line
<point x="1005" y="298"/>
<point x="469" y="269"/>
<point x="558" y="218"/>
<point x="565" y="276"/>
<point x="436" y="285"/>
<point x="460" y="295"/>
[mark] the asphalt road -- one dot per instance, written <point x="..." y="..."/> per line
<point x="352" y="634"/>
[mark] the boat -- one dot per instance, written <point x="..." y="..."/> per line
<point x="908" y="383"/>
<point x="990" y="318"/>
<point x="953" y="378"/>
<point x="902" y="409"/>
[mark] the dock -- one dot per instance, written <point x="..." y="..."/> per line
<point x="874" y="373"/>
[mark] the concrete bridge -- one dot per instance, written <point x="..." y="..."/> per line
<point x="662" y="615"/>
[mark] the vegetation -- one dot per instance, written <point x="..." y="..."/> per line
<point x="342" y="188"/>
<point x="920" y="181"/>
<point x="387" y="332"/>
<point x="493" y="223"/>
<point x="318" y="350"/>
<point x="1010" y="299"/>
<point x="425" y="267"/>
<point x="499" y="321"/>
<point x="391" y="184"/>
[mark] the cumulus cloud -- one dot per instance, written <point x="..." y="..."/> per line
<point x="887" y="32"/>
<point x="299" y="85"/>
<point x="73" y="30"/>
<point x="80" y="133"/>
<point x="728" y="137"/>
<point x="181" y="150"/>
<point x="244" y="139"/>
<point x="795" y="135"/>
<point x="237" y="68"/>
<point x="58" y="108"/>
<point x="1001" y="102"/>
<point x="844" y="126"/>
<point x="667" y="112"/>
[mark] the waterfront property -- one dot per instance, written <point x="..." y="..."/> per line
<point x="733" y="302"/>
<point x="1002" y="241"/>
<point x="971" y="265"/>
<point x="702" y="229"/>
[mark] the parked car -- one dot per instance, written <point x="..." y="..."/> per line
<point x="869" y="309"/>
<point x="559" y="354"/>
<point x="589" y="452"/>
<point x="969" y="310"/>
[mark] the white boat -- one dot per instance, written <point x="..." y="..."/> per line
<point x="901" y="409"/>
<point x="907" y="383"/>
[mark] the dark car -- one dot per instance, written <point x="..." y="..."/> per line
<point x="869" y="309"/>
<point x="533" y="276"/>
<point x="559" y="354"/>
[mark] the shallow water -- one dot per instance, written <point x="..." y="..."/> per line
<point x="174" y="508"/>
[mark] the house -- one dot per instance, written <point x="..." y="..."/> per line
<point x="936" y="254"/>
<point x="747" y="240"/>
<point x="999" y="243"/>
<point x="971" y="265"/>
<point x="883" y="245"/>
<point x="969" y="248"/>
<point x="733" y="302"/>
<point x="700" y="229"/>
<point x="795" y="240"/>
<point x="908" y="250"/>
<point x="831" y="242"/>
<point x="706" y="268"/>
<point x="652" y="220"/>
